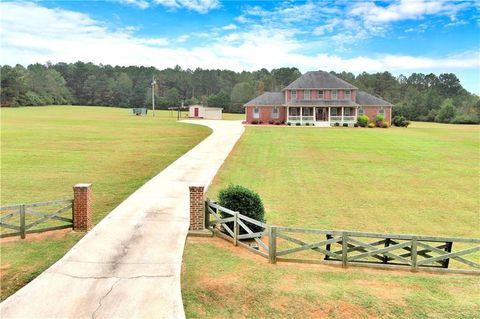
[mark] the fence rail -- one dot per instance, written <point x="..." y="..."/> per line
<point x="22" y="219"/>
<point x="344" y="247"/>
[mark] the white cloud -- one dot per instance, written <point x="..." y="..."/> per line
<point x="405" y="10"/>
<point x="59" y="35"/>
<point x="183" y="38"/>
<point x="200" y="6"/>
<point x="142" y="4"/>
<point x="229" y="27"/>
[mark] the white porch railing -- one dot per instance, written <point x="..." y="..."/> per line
<point x="343" y="119"/>
<point x="301" y="118"/>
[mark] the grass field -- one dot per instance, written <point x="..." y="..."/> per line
<point x="423" y="180"/>
<point x="223" y="281"/>
<point x="46" y="150"/>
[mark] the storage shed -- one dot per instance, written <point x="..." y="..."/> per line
<point x="205" y="112"/>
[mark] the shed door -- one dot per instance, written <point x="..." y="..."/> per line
<point x="195" y="112"/>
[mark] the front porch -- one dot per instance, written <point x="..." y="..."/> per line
<point x="321" y="115"/>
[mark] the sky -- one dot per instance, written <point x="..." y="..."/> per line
<point x="399" y="36"/>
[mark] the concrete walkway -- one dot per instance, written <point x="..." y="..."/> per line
<point x="129" y="265"/>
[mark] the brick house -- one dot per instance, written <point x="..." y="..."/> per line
<point x="318" y="98"/>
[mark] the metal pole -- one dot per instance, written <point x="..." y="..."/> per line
<point x="153" y="95"/>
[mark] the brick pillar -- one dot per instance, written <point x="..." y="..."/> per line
<point x="197" y="208"/>
<point x="82" y="207"/>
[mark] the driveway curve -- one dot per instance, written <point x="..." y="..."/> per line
<point x="129" y="264"/>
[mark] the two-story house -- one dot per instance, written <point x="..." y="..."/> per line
<point x="318" y="98"/>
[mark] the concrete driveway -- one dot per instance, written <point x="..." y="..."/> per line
<point x="129" y="265"/>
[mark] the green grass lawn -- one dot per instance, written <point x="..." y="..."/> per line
<point x="222" y="281"/>
<point x="423" y="180"/>
<point x="46" y="150"/>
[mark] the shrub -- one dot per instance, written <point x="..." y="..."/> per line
<point x="337" y="124"/>
<point x="271" y="122"/>
<point x="385" y="124"/>
<point x="355" y="125"/>
<point x="370" y="125"/>
<point x="466" y="119"/>
<point x="246" y="202"/>
<point x="379" y="120"/>
<point x="298" y="124"/>
<point x="260" y="122"/>
<point x="254" y="122"/>
<point x="288" y="123"/>
<point x="363" y="120"/>
<point x="277" y="123"/>
<point x="401" y="121"/>
<point x="345" y="124"/>
<point x="307" y="124"/>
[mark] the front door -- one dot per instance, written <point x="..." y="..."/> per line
<point x="321" y="114"/>
<point x="195" y="110"/>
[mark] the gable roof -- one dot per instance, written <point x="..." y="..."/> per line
<point x="363" y="98"/>
<point x="268" y="98"/>
<point x="319" y="80"/>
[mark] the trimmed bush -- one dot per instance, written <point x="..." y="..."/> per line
<point x="246" y="202"/>
<point x="277" y="123"/>
<point x="260" y="122"/>
<point x="345" y="124"/>
<point x="271" y="122"/>
<point x="363" y="120"/>
<point x="254" y="122"/>
<point x="307" y="124"/>
<point x="355" y="125"/>
<point x="288" y="123"/>
<point x="337" y="124"/>
<point x="298" y="124"/>
<point x="401" y="121"/>
<point x="385" y="124"/>
<point x="379" y="120"/>
<point x="370" y="125"/>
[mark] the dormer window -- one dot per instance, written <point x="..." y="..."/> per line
<point x="347" y="94"/>
<point x="294" y="95"/>
<point x="320" y="95"/>
<point x="334" y="94"/>
<point x="306" y="95"/>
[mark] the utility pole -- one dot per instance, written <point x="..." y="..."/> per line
<point x="154" y="82"/>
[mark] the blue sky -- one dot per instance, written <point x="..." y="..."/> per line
<point x="397" y="36"/>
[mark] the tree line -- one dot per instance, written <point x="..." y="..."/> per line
<point x="423" y="97"/>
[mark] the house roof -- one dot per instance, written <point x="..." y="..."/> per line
<point x="319" y="80"/>
<point x="363" y="98"/>
<point x="268" y="98"/>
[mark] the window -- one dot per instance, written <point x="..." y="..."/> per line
<point x="333" y="110"/>
<point x="320" y="95"/>
<point x="361" y="111"/>
<point x="307" y="111"/>
<point x="294" y="95"/>
<point x="275" y="114"/>
<point x="256" y="113"/>
<point x="334" y="94"/>
<point x="347" y="94"/>
<point x="381" y="111"/>
<point x="294" y="111"/>
<point x="306" y="95"/>
<point x="348" y="111"/>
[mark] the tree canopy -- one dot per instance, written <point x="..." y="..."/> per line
<point x="422" y="97"/>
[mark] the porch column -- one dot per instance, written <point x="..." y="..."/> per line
<point x="301" y="115"/>
<point x="342" y="114"/>
<point x="314" y="114"/>
<point x="288" y="114"/>
<point x="328" y="116"/>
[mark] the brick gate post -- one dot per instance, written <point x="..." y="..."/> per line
<point x="197" y="208"/>
<point x="82" y="207"/>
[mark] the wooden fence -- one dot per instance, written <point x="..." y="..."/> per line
<point x="19" y="220"/>
<point x="346" y="248"/>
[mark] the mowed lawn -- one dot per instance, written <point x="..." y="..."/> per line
<point x="46" y="150"/>
<point x="423" y="179"/>
<point x="419" y="180"/>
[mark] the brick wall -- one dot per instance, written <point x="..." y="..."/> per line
<point x="372" y="112"/>
<point x="266" y="114"/>
<point x="82" y="207"/>
<point x="197" y="208"/>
